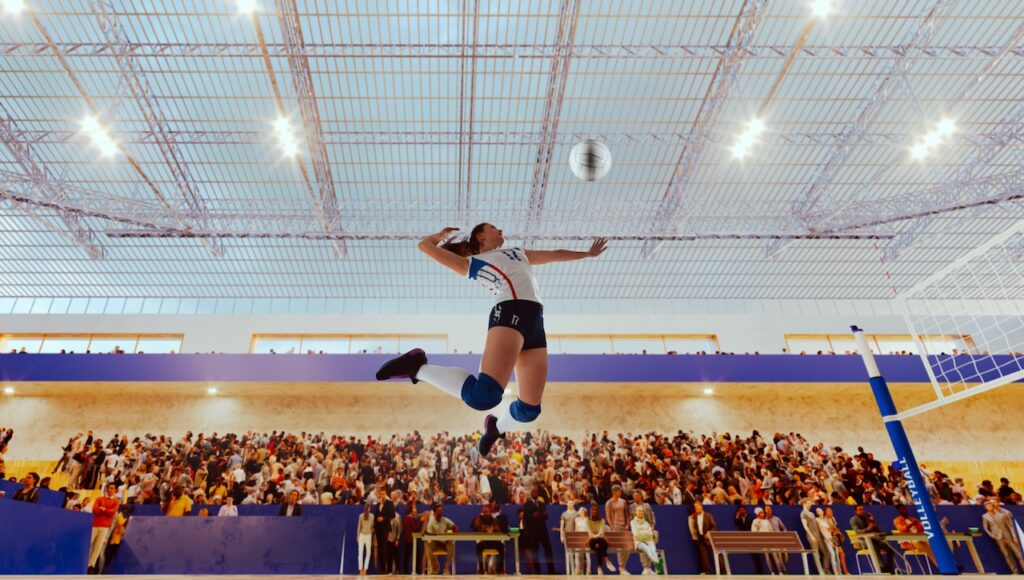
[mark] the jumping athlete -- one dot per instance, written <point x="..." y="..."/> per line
<point x="515" y="335"/>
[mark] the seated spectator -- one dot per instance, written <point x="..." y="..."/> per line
<point x="863" y="522"/>
<point x="29" y="493"/>
<point x="229" y="509"/>
<point x="643" y="539"/>
<point x="906" y="524"/>
<point x="438" y="524"/>
<point x="596" y="541"/>
<point x="484" y="524"/>
<point x="178" y="503"/>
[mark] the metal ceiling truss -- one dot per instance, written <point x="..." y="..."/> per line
<point x="703" y="129"/>
<point x="302" y="81"/>
<point x="568" y="17"/>
<point x="466" y="105"/>
<point x="505" y="51"/>
<point x="137" y="84"/>
<point x="887" y="85"/>
<point x="42" y="184"/>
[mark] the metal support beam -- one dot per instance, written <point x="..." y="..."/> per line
<point x="565" y="37"/>
<point x="45" y="184"/>
<point x="706" y="121"/>
<point x="135" y="80"/>
<point x="885" y="86"/>
<point x="467" y="100"/>
<point x="199" y="50"/>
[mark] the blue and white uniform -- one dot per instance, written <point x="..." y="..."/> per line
<point x="508" y="275"/>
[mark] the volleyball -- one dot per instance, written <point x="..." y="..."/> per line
<point x="590" y="160"/>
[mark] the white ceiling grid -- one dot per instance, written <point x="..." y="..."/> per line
<point x="408" y="118"/>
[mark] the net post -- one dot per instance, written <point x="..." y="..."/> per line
<point x="906" y="460"/>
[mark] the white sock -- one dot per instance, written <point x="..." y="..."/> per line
<point x="506" y="422"/>
<point x="447" y="379"/>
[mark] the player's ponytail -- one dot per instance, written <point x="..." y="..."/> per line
<point x="469" y="246"/>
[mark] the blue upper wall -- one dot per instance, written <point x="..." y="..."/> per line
<point x="563" y="368"/>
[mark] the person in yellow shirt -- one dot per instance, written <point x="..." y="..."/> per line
<point x="116" y="535"/>
<point x="179" y="504"/>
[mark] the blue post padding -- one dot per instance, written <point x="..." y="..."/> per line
<point x="482" y="393"/>
<point x="915" y="483"/>
<point x="523" y="412"/>
<point x="882" y="396"/>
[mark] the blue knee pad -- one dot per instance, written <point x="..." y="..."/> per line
<point x="482" y="393"/>
<point x="523" y="412"/>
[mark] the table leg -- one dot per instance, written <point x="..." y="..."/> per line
<point x="516" y="540"/>
<point x="974" y="556"/>
<point x="807" y="567"/>
<point x="873" y="555"/>
<point x="413" y="571"/>
<point x="717" y="571"/>
<point x="725" y="559"/>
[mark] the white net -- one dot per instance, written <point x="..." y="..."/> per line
<point x="968" y="318"/>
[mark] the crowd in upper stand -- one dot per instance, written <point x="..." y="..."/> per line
<point x="680" y="468"/>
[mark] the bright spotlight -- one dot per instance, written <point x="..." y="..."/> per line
<point x="8" y="390"/>
<point x="946" y="127"/>
<point x="748" y="138"/>
<point x="286" y="138"/>
<point x="99" y="136"/>
<point x="755" y="126"/>
<point x="211" y="391"/>
<point x="821" y="8"/>
<point x="14" y="6"/>
<point x="740" y="150"/>
<point x="248" y="6"/>
<point x="919" y="151"/>
<point x="709" y="390"/>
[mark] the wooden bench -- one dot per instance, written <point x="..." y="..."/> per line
<point x="576" y="543"/>
<point x="725" y="543"/>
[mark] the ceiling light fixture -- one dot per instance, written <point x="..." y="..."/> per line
<point x="99" y="135"/>
<point x="931" y="140"/>
<point x="8" y="390"/>
<point x="14" y="6"/>
<point x="748" y="138"/>
<point x="248" y="7"/>
<point x="211" y="391"/>
<point x="286" y="138"/>
<point x="822" y="8"/>
<point x="709" y="390"/>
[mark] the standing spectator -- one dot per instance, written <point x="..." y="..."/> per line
<point x="567" y="523"/>
<point x="382" y="529"/>
<point x="103" y="512"/>
<point x="229" y="509"/>
<point x="837" y="541"/>
<point x="616" y="512"/>
<point x="863" y="522"/>
<point x="394" y="538"/>
<point x="412" y="524"/>
<point x="364" y="539"/>
<point x="828" y="540"/>
<point x="596" y="540"/>
<point x="535" y="520"/>
<point x="700" y="524"/>
<point x="291" y="507"/>
<point x="29" y="493"/>
<point x="999" y="525"/>
<point x="810" y="524"/>
<point x="779" y="558"/>
<point x="117" y="535"/>
<point x="438" y="524"/>
<point x="744" y="523"/>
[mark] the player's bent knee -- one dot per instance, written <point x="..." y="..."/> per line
<point x="482" y="393"/>
<point x="524" y="412"/>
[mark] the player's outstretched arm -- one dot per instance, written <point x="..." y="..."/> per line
<point x="537" y="257"/>
<point x="429" y="246"/>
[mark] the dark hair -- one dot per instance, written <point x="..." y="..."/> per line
<point x="469" y="246"/>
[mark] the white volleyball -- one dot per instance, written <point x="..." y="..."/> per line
<point x="590" y="160"/>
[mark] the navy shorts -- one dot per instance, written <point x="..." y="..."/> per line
<point x="526" y="316"/>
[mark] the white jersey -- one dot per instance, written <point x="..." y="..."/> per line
<point x="506" y="273"/>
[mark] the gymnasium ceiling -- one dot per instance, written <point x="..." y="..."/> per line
<point x="411" y="115"/>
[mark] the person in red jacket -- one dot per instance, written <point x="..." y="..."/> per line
<point x="104" y="510"/>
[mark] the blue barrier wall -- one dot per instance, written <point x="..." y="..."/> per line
<point x="36" y="539"/>
<point x="46" y="496"/>
<point x="249" y="545"/>
<point x="563" y="368"/>
<point x="39" y="539"/>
